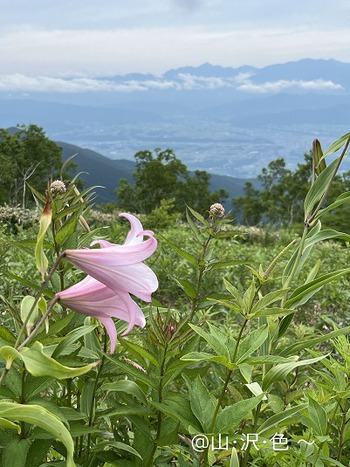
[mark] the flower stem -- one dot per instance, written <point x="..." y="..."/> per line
<point x="93" y="400"/>
<point x="40" y="322"/>
<point x="38" y="295"/>
<point x="201" y="266"/>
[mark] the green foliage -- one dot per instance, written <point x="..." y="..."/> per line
<point x="239" y="356"/>
<point x="281" y="199"/>
<point x="26" y="156"/>
<point x="160" y="176"/>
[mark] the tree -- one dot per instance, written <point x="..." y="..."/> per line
<point x="160" y="175"/>
<point x="26" y="155"/>
<point x="249" y="207"/>
<point x="281" y="200"/>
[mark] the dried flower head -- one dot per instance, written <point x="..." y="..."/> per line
<point x="217" y="210"/>
<point x="57" y="187"/>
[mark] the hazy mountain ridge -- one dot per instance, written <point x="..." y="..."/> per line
<point x="98" y="170"/>
<point x="228" y="121"/>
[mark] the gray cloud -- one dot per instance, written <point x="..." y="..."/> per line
<point x="277" y="86"/>
<point x="23" y="83"/>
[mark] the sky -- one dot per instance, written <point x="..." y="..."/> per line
<point x="88" y="38"/>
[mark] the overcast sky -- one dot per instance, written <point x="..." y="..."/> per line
<point x="89" y="38"/>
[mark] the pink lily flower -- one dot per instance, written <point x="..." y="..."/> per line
<point x="120" y="267"/>
<point x="92" y="298"/>
<point x="114" y="272"/>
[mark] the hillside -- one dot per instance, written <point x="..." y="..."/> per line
<point x="100" y="170"/>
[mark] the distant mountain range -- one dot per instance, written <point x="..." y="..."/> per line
<point x="228" y="121"/>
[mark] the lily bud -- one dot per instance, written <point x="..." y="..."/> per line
<point x="45" y="221"/>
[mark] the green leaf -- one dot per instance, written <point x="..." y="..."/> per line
<point x="6" y="335"/>
<point x="251" y="343"/>
<point x="280" y="371"/>
<point x="197" y="233"/>
<point x="326" y="234"/>
<point x="117" y="445"/>
<point x="255" y="389"/>
<point x="267" y="299"/>
<point x="318" y="158"/>
<point x="129" y="369"/>
<point x="9" y="354"/>
<point x="297" y="296"/>
<point x="69" y="226"/>
<point x="45" y="221"/>
<point x="15" y="453"/>
<point x="137" y="350"/>
<point x="199" y="217"/>
<point x="280" y="418"/>
<point x="179" y="409"/>
<point x="273" y="312"/>
<point x="72" y="337"/>
<point x="129" y="387"/>
<point x="9" y="425"/>
<point x="319" y="417"/>
<point x="334" y="147"/>
<point x="29" y="314"/>
<point x="230" y="417"/>
<point x="187" y="287"/>
<point x="343" y="198"/>
<point x="224" y="264"/>
<point x="36" y="415"/>
<point x="202" y="403"/>
<point x="184" y="254"/>
<point x="248" y="298"/>
<point x="319" y="187"/>
<point x="39" y="364"/>
<point x="233" y="291"/>
<point x="218" y="345"/>
<point x="234" y="461"/>
<point x="308" y="343"/>
<point x="37" y="451"/>
<point x="206" y="357"/>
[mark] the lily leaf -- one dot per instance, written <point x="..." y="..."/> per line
<point x="40" y="364"/>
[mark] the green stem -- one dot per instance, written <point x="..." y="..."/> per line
<point x="160" y="399"/>
<point x="223" y="391"/>
<point x="256" y="418"/>
<point x="341" y="434"/>
<point x="38" y="295"/>
<point x="40" y="323"/>
<point x="202" y="267"/>
<point x="93" y="400"/>
<point x="296" y="262"/>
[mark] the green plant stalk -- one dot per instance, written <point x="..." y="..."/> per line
<point x="40" y="323"/>
<point x="341" y="433"/>
<point x="296" y="263"/>
<point x="38" y="295"/>
<point x="256" y="419"/>
<point x="57" y="251"/>
<point x="201" y="267"/>
<point x="93" y="400"/>
<point x="160" y="399"/>
<point x="223" y="391"/>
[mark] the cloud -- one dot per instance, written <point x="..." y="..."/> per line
<point x="277" y="86"/>
<point x="189" y="81"/>
<point x="184" y="81"/>
<point x="22" y="83"/>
